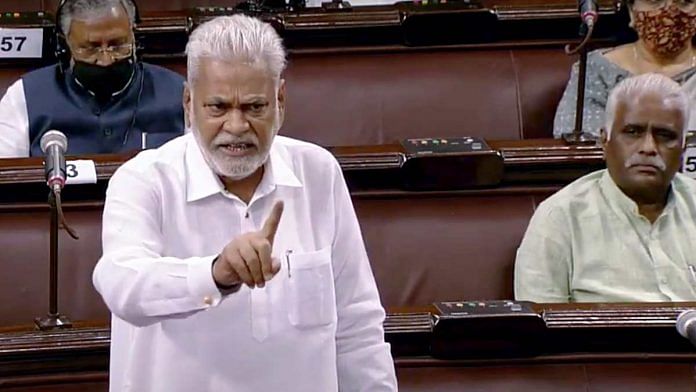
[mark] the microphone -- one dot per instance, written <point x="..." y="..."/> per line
<point x="686" y="325"/>
<point x="54" y="144"/>
<point x="588" y="12"/>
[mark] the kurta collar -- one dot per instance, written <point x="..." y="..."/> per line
<point x="624" y="203"/>
<point x="202" y="181"/>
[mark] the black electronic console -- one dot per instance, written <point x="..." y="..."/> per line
<point x="27" y="37"/>
<point x="32" y="19"/>
<point x="450" y="163"/>
<point x="484" y="309"/>
<point x="497" y="328"/>
<point x="429" y="22"/>
<point x="268" y="11"/>
<point x="445" y="145"/>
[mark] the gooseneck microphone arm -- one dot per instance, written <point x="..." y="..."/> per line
<point x="63" y="223"/>
<point x="588" y="16"/>
<point x="54" y="144"/>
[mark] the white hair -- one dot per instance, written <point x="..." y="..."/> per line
<point x="236" y="38"/>
<point x="91" y="9"/>
<point x="633" y="88"/>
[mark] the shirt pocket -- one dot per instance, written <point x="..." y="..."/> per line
<point x="310" y="289"/>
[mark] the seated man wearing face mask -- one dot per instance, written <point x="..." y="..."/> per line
<point x="624" y="234"/>
<point x="100" y="96"/>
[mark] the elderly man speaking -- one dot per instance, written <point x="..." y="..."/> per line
<point x="233" y="259"/>
<point x="624" y="234"/>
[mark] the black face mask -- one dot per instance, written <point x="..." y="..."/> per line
<point x="103" y="82"/>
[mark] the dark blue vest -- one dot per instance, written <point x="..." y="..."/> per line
<point x="150" y="104"/>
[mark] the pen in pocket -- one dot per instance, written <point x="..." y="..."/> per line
<point x="287" y="261"/>
<point x="692" y="271"/>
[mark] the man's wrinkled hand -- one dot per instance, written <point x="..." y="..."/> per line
<point x="247" y="259"/>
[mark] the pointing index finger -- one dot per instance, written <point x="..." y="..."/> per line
<point x="270" y="226"/>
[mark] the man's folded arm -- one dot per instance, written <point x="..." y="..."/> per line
<point x="135" y="281"/>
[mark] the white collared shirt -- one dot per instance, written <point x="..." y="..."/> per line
<point x="316" y="326"/>
<point x="14" y="122"/>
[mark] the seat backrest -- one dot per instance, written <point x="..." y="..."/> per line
<point x="358" y="98"/>
<point x="338" y="99"/>
<point x="426" y="249"/>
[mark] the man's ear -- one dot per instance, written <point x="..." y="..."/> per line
<point x="281" y="102"/>
<point x="603" y="140"/>
<point x="186" y="101"/>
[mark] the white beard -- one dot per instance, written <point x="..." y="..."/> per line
<point x="235" y="168"/>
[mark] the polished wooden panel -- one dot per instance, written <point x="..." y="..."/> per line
<point x="148" y="6"/>
<point x="565" y="377"/>
<point x="165" y="25"/>
<point x="24" y="238"/>
<point x="77" y="358"/>
<point x="21" y="5"/>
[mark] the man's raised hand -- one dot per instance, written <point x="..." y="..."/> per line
<point x="247" y="258"/>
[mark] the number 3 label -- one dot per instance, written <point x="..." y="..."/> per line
<point x="81" y="172"/>
<point x="21" y="43"/>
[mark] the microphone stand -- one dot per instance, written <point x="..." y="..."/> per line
<point x="578" y="137"/>
<point x="54" y="320"/>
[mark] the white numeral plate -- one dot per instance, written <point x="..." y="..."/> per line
<point x="21" y="43"/>
<point x="81" y="172"/>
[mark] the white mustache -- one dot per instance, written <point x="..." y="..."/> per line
<point x="637" y="159"/>
<point x="226" y="138"/>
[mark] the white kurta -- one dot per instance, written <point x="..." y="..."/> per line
<point x="317" y="326"/>
<point x="14" y="122"/>
<point x="589" y="243"/>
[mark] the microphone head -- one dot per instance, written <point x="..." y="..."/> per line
<point x="684" y="320"/>
<point x="54" y="137"/>
<point x="588" y="11"/>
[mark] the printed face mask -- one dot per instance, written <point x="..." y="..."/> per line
<point x="665" y="31"/>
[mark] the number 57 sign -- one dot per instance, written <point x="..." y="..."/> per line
<point x="21" y="43"/>
<point x="689" y="164"/>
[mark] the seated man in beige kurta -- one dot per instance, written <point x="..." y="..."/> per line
<point x="626" y="233"/>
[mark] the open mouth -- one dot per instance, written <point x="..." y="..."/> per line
<point x="237" y="149"/>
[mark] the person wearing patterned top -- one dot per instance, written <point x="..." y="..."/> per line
<point x="665" y="29"/>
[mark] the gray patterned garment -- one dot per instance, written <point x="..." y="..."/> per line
<point x="602" y="76"/>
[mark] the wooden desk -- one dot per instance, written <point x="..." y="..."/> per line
<point x="77" y="359"/>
